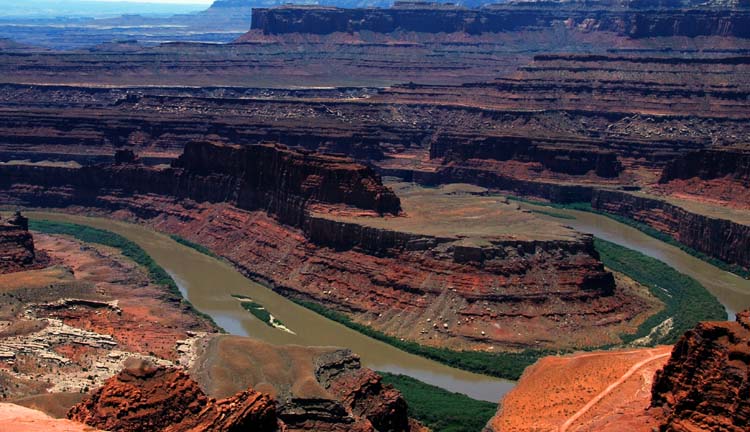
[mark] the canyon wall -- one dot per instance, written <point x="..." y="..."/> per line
<point x="721" y="238"/>
<point x="557" y="155"/>
<point x="430" y="18"/>
<point x="219" y="173"/>
<point x="708" y="164"/>
<point x="16" y="244"/>
<point x="392" y="273"/>
<point x="706" y="383"/>
<point x="278" y="172"/>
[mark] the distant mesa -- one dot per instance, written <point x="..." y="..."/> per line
<point x="636" y="19"/>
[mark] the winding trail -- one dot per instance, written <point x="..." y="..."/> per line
<point x="633" y="369"/>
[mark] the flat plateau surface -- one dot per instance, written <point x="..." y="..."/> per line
<point x="601" y="391"/>
<point x="462" y="211"/>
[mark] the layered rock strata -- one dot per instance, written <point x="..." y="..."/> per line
<point x="266" y="176"/>
<point x="146" y="397"/>
<point x="407" y="275"/>
<point x="519" y="16"/>
<point x="716" y="176"/>
<point x="710" y="164"/>
<point x="714" y="234"/>
<point x="706" y="383"/>
<point x="16" y="244"/>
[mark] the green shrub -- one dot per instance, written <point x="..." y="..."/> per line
<point x="503" y="365"/>
<point x="685" y="300"/>
<point x="192" y="245"/>
<point x="439" y="409"/>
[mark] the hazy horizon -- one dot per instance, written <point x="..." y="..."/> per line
<point x="97" y="8"/>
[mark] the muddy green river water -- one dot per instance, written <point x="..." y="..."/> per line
<point x="209" y="284"/>
<point x="731" y="290"/>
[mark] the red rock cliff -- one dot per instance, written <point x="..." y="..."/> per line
<point x="143" y="397"/>
<point x="724" y="239"/>
<point x="277" y="172"/>
<point x="710" y="164"/>
<point x="16" y="244"/>
<point x="706" y="383"/>
<point x="256" y="177"/>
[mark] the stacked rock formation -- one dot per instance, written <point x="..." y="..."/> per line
<point x="706" y="383"/>
<point x="284" y="215"/>
<point x="143" y="397"/>
<point x="16" y="244"/>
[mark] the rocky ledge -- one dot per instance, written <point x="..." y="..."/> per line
<point x="699" y="384"/>
<point x="146" y="397"/>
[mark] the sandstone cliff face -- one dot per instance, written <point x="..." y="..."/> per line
<point x="635" y="23"/>
<point x="710" y="164"/>
<point x="706" y="383"/>
<point x="278" y="173"/>
<point x="560" y="156"/>
<point x="268" y="177"/>
<point x="720" y="238"/>
<point x="16" y="244"/>
<point x="143" y="397"/>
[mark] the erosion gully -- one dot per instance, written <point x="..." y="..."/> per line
<point x="209" y="284"/>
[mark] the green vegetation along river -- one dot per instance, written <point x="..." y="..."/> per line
<point x="209" y="284"/>
<point x="731" y="290"/>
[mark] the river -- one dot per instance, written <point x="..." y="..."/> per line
<point x="731" y="290"/>
<point x="209" y="284"/>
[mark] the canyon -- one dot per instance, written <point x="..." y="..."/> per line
<point x="359" y="249"/>
<point x="67" y="328"/>
<point x="389" y="168"/>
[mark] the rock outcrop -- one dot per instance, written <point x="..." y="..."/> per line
<point x="316" y="388"/>
<point x="706" y="383"/>
<point x="700" y="384"/>
<point x="265" y="176"/>
<point x="270" y="175"/>
<point x="16" y="244"/>
<point x="145" y="397"/>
